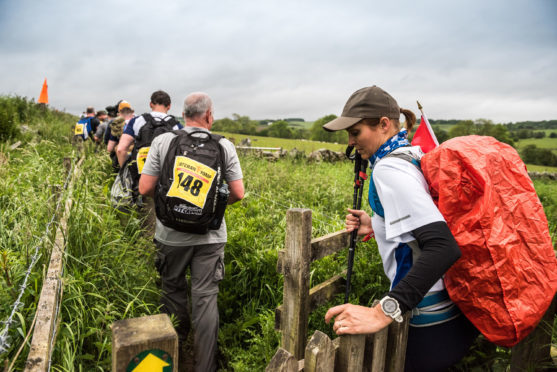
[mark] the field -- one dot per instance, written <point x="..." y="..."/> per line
<point x="109" y="272"/>
<point x="284" y="143"/>
<point x="544" y="143"/>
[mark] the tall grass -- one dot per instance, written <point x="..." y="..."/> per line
<point x="27" y="205"/>
<point x="109" y="272"/>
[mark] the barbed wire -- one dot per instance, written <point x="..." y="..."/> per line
<point x="4" y="337"/>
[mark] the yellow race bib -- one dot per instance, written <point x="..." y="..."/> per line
<point x="141" y="158"/>
<point x="79" y="128"/>
<point x="192" y="181"/>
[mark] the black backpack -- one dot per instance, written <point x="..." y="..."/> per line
<point x="152" y="128"/>
<point x="190" y="195"/>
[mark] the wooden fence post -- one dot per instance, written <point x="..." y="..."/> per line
<point x="350" y="356"/>
<point x="320" y="354"/>
<point x="378" y="352"/>
<point x="296" y="300"/>
<point x="149" y="342"/>
<point x="396" y="345"/>
<point x="283" y="361"/>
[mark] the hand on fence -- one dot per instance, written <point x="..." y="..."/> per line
<point x="358" y="219"/>
<point x="355" y="319"/>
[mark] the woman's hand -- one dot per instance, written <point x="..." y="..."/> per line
<point x="353" y="319"/>
<point x="358" y="219"/>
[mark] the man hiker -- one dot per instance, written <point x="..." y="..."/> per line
<point x="202" y="253"/>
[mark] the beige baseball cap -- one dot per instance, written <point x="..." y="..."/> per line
<point x="366" y="103"/>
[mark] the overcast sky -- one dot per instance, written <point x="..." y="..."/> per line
<point x="468" y="59"/>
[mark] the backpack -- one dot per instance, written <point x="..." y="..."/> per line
<point x="186" y="194"/>
<point x="83" y="127"/>
<point x="121" y="193"/>
<point x="153" y="127"/>
<point x="506" y="277"/>
<point x="117" y="127"/>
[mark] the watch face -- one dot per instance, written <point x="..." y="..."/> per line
<point x="390" y="306"/>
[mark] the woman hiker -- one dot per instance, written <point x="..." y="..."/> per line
<point x="414" y="241"/>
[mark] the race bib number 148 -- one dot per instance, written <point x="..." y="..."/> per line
<point x="192" y="181"/>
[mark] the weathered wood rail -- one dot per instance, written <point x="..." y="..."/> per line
<point x="43" y="339"/>
<point x="382" y="351"/>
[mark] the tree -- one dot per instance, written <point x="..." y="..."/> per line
<point x="280" y="129"/>
<point x="482" y="127"/>
<point x="245" y="124"/>
<point x="464" y="128"/>
<point x="239" y="124"/>
<point x="440" y="134"/>
<point x="226" y="125"/>
<point x="317" y="133"/>
<point x="531" y="154"/>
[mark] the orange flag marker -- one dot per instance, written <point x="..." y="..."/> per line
<point x="43" y="98"/>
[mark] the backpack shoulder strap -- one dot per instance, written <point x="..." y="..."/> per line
<point x="373" y="196"/>
<point x="405" y="156"/>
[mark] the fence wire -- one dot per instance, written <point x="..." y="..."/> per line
<point x="4" y="336"/>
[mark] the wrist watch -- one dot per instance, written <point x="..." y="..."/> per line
<point x="390" y="307"/>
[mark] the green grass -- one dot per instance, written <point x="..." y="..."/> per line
<point x="543" y="143"/>
<point x="287" y="144"/>
<point x="541" y="168"/>
<point x="301" y="124"/>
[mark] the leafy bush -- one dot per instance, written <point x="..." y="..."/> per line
<point x="531" y="154"/>
<point x="9" y="118"/>
<point x="45" y="122"/>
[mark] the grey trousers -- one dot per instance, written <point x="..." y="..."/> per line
<point x="206" y="263"/>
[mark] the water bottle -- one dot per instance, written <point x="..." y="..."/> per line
<point x="222" y="201"/>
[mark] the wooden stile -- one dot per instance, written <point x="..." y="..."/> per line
<point x="382" y="351"/>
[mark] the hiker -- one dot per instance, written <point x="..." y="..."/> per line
<point x="84" y="128"/>
<point x="202" y="253"/>
<point x="102" y="116"/>
<point x="160" y="104"/>
<point x="116" y="128"/>
<point x="414" y="241"/>
<point x="90" y="113"/>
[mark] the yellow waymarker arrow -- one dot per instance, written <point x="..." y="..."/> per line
<point x="151" y="364"/>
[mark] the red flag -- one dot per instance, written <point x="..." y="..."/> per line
<point x="424" y="136"/>
<point x="43" y="98"/>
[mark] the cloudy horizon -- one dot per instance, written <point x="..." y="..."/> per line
<point x="282" y="59"/>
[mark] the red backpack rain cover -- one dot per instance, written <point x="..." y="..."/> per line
<point x="506" y="277"/>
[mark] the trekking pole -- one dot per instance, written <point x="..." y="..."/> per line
<point x="360" y="167"/>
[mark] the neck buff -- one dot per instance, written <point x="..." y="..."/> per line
<point x="398" y="140"/>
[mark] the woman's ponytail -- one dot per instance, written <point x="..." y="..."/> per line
<point x="410" y="119"/>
